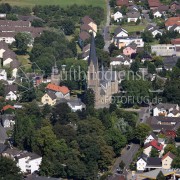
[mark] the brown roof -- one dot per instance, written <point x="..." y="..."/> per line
<point x="84" y="35"/>
<point x="85" y="27"/>
<point x="122" y="2"/>
<point x="10" y="88"/>
<point x="14" y="23"/>
<point x="3" y="45"/>
<point x="173" y="20"/>
<point x="7" y="34"/>
<point x="86" y="48"/>
<point x="133" y="15"/>
<point x="154" y="3"/>
<point x="172" y="156"/>
<point x="9" y="54"/>
<point x="87" y="20"/>
<point x="14" y="64"/>
<point x="163" y="8"/>
<point x="175" y="41"/>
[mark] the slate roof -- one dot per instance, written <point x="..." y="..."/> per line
<point x="51" y="95"/>
<point x="154" y="161"/>
<point x="118" y="30"/>
<point x="133" y="15"/>
<point x="163" y="8"/>
<point x="143" y="156"/>
<point x="10" y="88"/>
<point x="92" y="54"/>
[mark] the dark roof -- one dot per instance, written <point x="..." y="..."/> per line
<point x="26" y="154"/>
<point x="84" y="35"/>
<point x="92" y="55"/>
<point x="9" y="54"/>
<point x="132" y="45"/>
<point x="154" y="161"/>
<point x="170" y="61"/>
<point x="166" y="106"/>
<point x="14" y="64"/>
<point x="133" y="15"/>
<point x="14" y="23"/>
<point x="163" y="8"/>
<point x="156" y="119"/>
<point x="12" y="151"/>
<point x="76" y="102"/>
<point x="144" y="157"/>
<point x="3" y="147"/>
<point x="87" y="20"/>
<point x="29" y="18"/>
<point x="86" y="48"/>
<point x="85" y="27"/>
<point x="9" y="88"/>
<point x="51" y="95"/>
<point x="3" y="135"/>
<point x="118" y="30"/>
<point x="153" y="135"/>
<point x="3" y="45"/>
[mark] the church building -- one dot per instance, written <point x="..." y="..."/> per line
<point x="103" y="83"/>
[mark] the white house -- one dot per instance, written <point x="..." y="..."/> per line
<point x="120" y="32"/>
<point x="133" y="16"/>
<point x="3" y="74"/>
<point x="28" y="162"/>
<point x="120" y="60"/>
<point x="157" y="14"/>
<point x="141" y="162"/>
<point x="11" y="92"/>
<point x="150" y="137"/>
<point x="154" y="30"/>
<point x="7" y="120"/>
<point x="117" y="16"/>
<point x="8" y="38"/>
<point x="76" y="105"/>
<point x="166" y="109"/>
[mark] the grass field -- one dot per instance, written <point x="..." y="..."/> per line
<point x="62" y="3"/>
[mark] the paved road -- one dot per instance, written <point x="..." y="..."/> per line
<point x="144" y="114"/>
<point x="106" y="34"/>
<point x="126" y="157"/>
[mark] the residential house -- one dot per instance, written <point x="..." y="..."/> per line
<point x="158" y="123"/>
<point x="133" y="8"/>
<point x="175" y="27"/>
<point x="7" y="120"/>
<point x="121" y="3"/>
<point x="7" y="37"/>
<point x="29" y="18"/>
<point x="150" y="138"/>
<point x="176" y="42"/>
<point x="154" y="30"/>
<point x="120" y="60"/>
<point x="166" y="109"/>
<point x="85" y="52"/>
<point x="121" y="42"/>
<point x="167" y="160"/>
<point x="11" y="92"/>
<point x="118" y="16"/>
<point x="83" y="36"/>
<point x="7" y="109"/>
<point x="8" y="57"/>
<point x="164" y="50"/>
<point x="2" y="15"/>
<point x="174" y="6"/>
<point x="60" y="91"/>
<point x="3" y="147"/>
<point x="3" y="74"/>
<point x="130" y="49"/>
<point x="87" y="28"/>
<point x="168" y="133"/>
<point x="146" y="57"/>
<point x="172" y="21"/>
<point x="157" y="13"/>
<point x="133" y="16"/>
<point x="14" y="65"/>
<point x="3" y="48"/>
<point x="88" y="21"/>
<point x="169" y="62"/>
<point x="7" y="23"/>
<point x="154" y="4"/>
<point x="152" y="144"/>
<point x="120" y="32"/>
<point x="163" y="9"/>
<point x="141" y="162"/>
<point x="76" y="105"/>
<point x="49" y="98"/>
<point x="27" y="162"/>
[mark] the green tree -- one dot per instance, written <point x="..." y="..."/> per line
<point x="154" y="152"/>
<point x="135" y="66"/>
<point x="151" y="68"/>
<point x="171" y="148"/>
<point x="68" y="26"/>
<point x="147" y="36"/>
<point x="37" y="23"/>
<point x="9" y="170"/>
<point x="99" y="41"/>
<point x="22" y="42"/>
<point x="89" y="98"/>
<point x="160" y="176"/>
<point x="141" y="131"/>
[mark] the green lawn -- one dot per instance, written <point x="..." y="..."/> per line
<point x="133" y="28"/>
<point x="63" y="3"/>
<point x="25" y="62"/>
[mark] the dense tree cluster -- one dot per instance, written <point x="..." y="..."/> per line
<point x="74" y="145"/>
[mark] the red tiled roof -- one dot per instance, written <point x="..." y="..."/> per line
<point x="172" y="21"/>
<point x="122" y="2"/>
<point x="172" y="156"/>
<point x="154" y="144"/>
<point x="175" y="41"/>
<point x="62" y="89"/>
<point x="154" y="3"/>
<point x="7" y="107"/>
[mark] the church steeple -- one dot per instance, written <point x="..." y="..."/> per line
<point x="55" y="76"/>
<point x="92" y="55"/>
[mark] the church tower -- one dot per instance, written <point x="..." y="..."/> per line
<point x="55" y="76"/>
<point x="93" y="70"/>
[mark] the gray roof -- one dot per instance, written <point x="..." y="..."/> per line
<point x="51" y="95"/>
<point x="3" y="147"/>
<point x="118" y="30"/>
<point x="154" y="161"/>
<point x="132" y="45"/>
<point x="144" y="157"/>
<point x="26" y="154"/>
<point x="166" y="106"/>
<point x="133" y="15"/>
<point x="3" y="135"/>
<point x="170" y="62"/>
<point x="9" y="54"/>
<point x="10" y="88"/>
<point x="92" y="55"/>
<point x="76" y="102"/>
<point x="14" y="64"/>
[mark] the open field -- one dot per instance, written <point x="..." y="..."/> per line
<point x="63" y="3"/>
